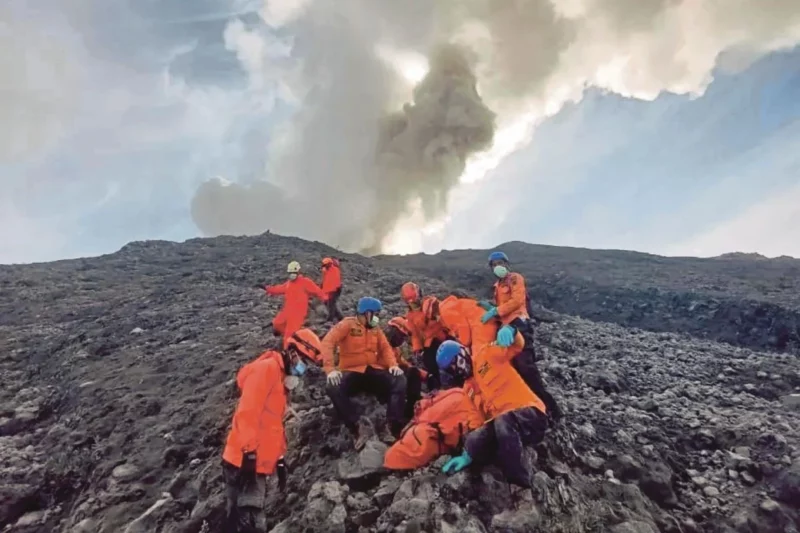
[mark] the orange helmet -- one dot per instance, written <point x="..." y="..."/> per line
<point x="430" y="308"/>
<point x="400" y="323"/>
<point x="410" y="292"/>
<point x="327" y="261"/>
<point x="306" y="343"/>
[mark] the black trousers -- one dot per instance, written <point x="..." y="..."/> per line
<point x="334" y="314"/>
<point x="377" y="382"/>
<point x="413" y="391"/>
<point x="429" y="361"/>
<point x="244" y="508"/>
<point x="502" y="441"/>
<point x="525" y="365"/>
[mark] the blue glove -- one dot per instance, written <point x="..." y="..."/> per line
<point x="485" y="304"/>
<point x="457" y="464"/>
<point x="505" y="337"/>
<point x="488" y="315"/>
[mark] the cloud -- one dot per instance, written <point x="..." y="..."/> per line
<point x="530" y="59"/>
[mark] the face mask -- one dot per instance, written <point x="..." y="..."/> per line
<point x="299" y="369"/>
<point x="500" y="271"/>
<point x="374" y="321"/>
<point x="293" y="276"/>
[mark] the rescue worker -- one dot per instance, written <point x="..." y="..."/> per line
<point x="515" y="416"/>
<point x="296" y="292"/>
<point x="309" y="341"/>
<point x="397" y="333"/>
<point x="332" y="287"/>
<point x="440" y="423"/>
<point x="256" y="443"/>
<point x="511" y="309"/>
<point x="366" y="364"/>
<point x="426" y="334"/>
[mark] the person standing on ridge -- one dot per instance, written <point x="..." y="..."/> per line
<point x="426" y="333"/>
<point x="511" y="308"/>
<point x="256" y="442"/>
<point x="296" y="292"/>
<point x="366" y="364"/>
<point x="332" y="287"/>
<point x="515" y="416"/>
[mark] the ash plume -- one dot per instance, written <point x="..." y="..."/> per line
<point x="354" y="159"/>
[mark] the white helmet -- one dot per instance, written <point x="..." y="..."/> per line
<point x="293" y="268"/>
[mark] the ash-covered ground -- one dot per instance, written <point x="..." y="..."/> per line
<point x="117" y="395"/>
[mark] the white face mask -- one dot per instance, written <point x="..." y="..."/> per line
<point x="293" y="276"/>
<point x="374" y="321"/>
<point x="500" y="271"/>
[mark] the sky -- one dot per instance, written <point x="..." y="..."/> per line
<point x="663" y="129"/>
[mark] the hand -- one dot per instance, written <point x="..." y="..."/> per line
<point x="247" y="472"/>
<point x="488" y="315"/>
<point x="485" y="304"/>
<point x="457" y="464"/>
<point x="282" y="473"/>
<point x="505" y="337"/>
<point x="334" y="377"/>
<point x="396" y="371"/>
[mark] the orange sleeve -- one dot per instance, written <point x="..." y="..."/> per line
<point x="416" y="336"/>
<point x="329" y="343"/>
<point x="499" y="354"/>
<point x="314" y="290"/>
<point x="385" y="351"/>
<point x="517" y="300"/>
<point x="256" y="390"/>
<point x="274" y="290"/>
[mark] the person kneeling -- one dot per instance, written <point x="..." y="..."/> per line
<point x="366" y="364"/>
<point x="516" y="417"/>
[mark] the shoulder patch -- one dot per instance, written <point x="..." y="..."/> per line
<point x="356" y="331"/>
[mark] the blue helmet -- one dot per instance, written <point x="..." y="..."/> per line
<point x="447" y="353"/>
<point x="497" y="256"/>
<point x="368" y="305"/>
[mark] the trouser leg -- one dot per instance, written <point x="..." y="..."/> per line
<point x="334" y="314"/>
<point x="481" y="444"/>
<point x="382" y="383"/>
<point x="413" y="391"/>
<point x="525" y="365"/>
<point x="515" y="430"/>
<point x="352" y="382"/>
<point x="244" y="506"/>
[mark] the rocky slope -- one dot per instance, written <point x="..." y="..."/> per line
<point x="741" y="299"/>
<point x="117" y="396"/>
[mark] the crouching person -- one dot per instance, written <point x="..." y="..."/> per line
<point x="515" y="416"/>
<point x="439" y="426"/>
<point x="256" y="442"/>
<point x="366" y="364"/>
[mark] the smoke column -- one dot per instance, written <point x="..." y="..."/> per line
<point x="365" y="145"/>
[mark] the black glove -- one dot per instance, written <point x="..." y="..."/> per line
<point x="282" y="472"/>
<point x="247" y="472"/>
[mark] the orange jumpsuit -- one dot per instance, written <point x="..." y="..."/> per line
<point x="359" y="347"/>
<point x="295" y="293"/>
<point x="438" y="427"/>
<point x="511" y="297"/>
<point x="461" y="319"/>
<point x="258" y="419"/>
<point x="424" y="332"/>
<point x="331" y="278"/>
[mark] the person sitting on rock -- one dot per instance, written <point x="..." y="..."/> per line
<point x="515" y="416"/>
<point x="366" y="364"/>
<point x="512" y="310"/>
<point x="332" y="287"/>
<point x="256" y="443"/>
<point x="426" y="334"/>
<point x="397" y="333"/>
<point x="296" y="292"/>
